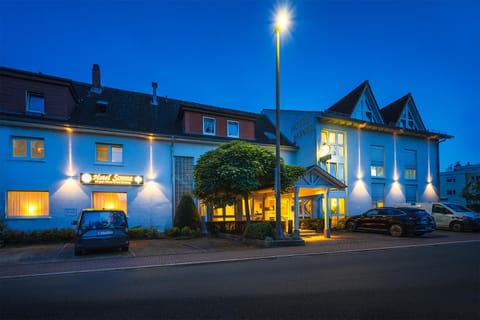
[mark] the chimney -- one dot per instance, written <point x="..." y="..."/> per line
<point x="154" y="94"/>
<point x="96" y="77"/>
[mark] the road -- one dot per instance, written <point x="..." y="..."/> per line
<point x="433" y="282"/>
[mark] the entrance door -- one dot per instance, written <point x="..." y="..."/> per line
<point x="306" y="208"/>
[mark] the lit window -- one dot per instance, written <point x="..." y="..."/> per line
<point x="233" y="129"/>
<point x="28" y="148"/>
<point x="209" y="126"/>
<point x="35" y="103"/>
<point x="27" y="204"/>
<point x="410" y="174"/>
<point x="109" y="153"/>
<point x="377" y="164"/>
<point x="377" y="171"/>
<point x="110" y="200"/>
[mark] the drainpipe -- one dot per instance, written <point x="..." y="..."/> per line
<point x="172" y="161"/>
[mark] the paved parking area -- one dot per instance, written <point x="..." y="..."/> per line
<point x="17" y="261"/>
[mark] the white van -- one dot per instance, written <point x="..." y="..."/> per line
<point x="452" y="216"/>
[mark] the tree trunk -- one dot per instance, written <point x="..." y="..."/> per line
<point x="247" y="208"/>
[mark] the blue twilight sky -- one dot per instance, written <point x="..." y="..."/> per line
<point x="222" y="53"/>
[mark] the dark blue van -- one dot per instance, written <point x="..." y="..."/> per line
<point x="101" y="229"/>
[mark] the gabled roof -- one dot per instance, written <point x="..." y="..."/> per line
<point x="347" y="104"/>
<point x="359" y="104"/>
<point x="392" y="112"/>
<point x="316" y="176"/>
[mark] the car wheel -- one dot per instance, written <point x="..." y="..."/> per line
<point x="396" y="230"/>
<point x="351" y="226"/>
<point x="456" y="226"/>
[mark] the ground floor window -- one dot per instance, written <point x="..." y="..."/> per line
<point x="27" y="204"/>
<point x="378" y="195"/>
<point x="110" y="200"/>
<point x="224" y="214"/>
<point x="337" y="209"/>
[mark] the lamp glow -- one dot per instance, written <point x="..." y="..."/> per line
<point x="282" y="20"/>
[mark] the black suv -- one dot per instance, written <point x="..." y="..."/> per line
<point x="396" y="221"/>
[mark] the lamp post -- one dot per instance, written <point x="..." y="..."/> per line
<point x="281" y="23"/>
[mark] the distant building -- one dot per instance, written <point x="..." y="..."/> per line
<point x="67" y="145"/>
<point x="461" y="184"/>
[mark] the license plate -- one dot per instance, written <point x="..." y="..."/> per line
<point x="104" y="233"/>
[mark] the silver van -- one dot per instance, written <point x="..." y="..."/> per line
<point x="101" y="229"/>
<point x="452" y="216"/>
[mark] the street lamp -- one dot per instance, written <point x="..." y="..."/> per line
<point x="281" y="23"/>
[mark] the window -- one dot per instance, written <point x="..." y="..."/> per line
<point x="110" y="200"/>
<point x="378" y="195"/>
<point x="377" y="163"/>
<point x="451" y="192"/>
<point x="109" y="153"/>
<point x="209" y="126"/>
<point x="183" y="177"/>
<point x="451" y="179"/>
<point x="334" y="161"/>
<point x="27" y="204"/>
<point x="28" y="148"/>
<point x="410" y="158"/>
<point x="233" y="129"/>
<point x="410" y="174"/>
<point x="406" y="120"/>
<point x="411" y="193"/>
<point x="35" y="102"/>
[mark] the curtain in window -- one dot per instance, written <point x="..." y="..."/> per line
<point x="27" y="203"/>
<point x="110" y="200"/>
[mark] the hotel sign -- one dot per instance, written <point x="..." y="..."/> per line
<point x="110" y="179"/>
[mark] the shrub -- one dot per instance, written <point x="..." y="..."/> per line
<point x="186" y="214"/>
<point x="259" y="231"/>
<point x="187" y="232"/>
<point x="172" y="232"/>
<point x="39" y="236"/>
<point x="313" y="224"/>
<point x="139" y="232"/>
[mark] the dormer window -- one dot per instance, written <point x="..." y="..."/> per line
<point x="35" y="102"/>
<point x="209" y="126"/>
<point x="233" y="129"/>
<point x="406" y="120"/>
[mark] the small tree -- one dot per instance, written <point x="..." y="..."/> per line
<point x="186" y="214"/>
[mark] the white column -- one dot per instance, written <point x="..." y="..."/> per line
<point x="297" y="222"/>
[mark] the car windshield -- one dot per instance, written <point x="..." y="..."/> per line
<point x="458" y="208"/>
<point x="102" y="220"/>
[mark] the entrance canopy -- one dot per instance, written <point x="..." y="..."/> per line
<point x="316" y="177"/>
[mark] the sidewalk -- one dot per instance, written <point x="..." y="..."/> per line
<point x="22" y="261"/>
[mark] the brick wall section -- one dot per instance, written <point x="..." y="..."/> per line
<point x="193" y="123"/>
<point x="58" y="94"/>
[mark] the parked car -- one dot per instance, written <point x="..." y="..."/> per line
<point x="101" y="229"/>
<point x="452" y="216"/>
<point x="396" y="221"/>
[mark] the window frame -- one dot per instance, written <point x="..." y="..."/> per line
<point x="237" y="123"/>
<point x="43" y="206"/>
<point x="29" y="142"/>
<point x="28" y="99"/>
<point x="205" y="118"/>
<point x="110" y="153"/>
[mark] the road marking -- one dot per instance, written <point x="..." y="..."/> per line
<point x="190" y="263"/>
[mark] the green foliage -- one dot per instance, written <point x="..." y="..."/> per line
<point x="259" y="231"/>
<point x="172" y="232"/>
<point x="313" y="224"/>
<point x="187" y="232"/>
<point x="289" y="174"/>
<point x="139" y="232"/>
<point x="340" y="224"/>
<point x="186" y="214"/>
<point x="39" y="236"/>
